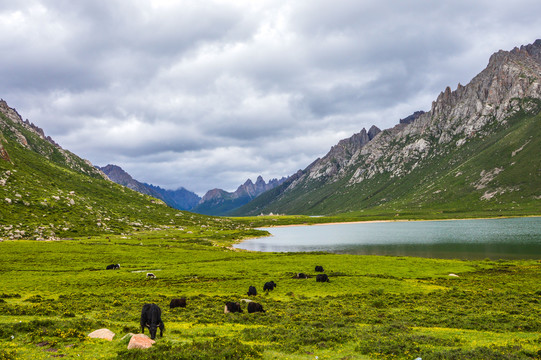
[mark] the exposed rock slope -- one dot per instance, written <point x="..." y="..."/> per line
<point x="394" y="167"/>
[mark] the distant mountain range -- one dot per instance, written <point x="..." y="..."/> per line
<point x="220" y="202"/>
<point x="181" y="198"/>
<point x="476" y="150"/>
<point x="214" y="202"/>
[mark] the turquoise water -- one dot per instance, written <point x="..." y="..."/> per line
<point x="517" y="238"/>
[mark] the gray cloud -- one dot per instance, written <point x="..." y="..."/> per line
<point x="207" y="94"/>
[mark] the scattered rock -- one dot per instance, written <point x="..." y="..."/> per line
<point x="454" y="275"/>
<point x="140" y="341"/>
<point x="128" y="335"/>
<point x="102" y="334"/>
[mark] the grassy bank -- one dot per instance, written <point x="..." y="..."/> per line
<point x="54" y="293"/>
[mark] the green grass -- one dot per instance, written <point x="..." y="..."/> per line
<point x="54" y="293"/>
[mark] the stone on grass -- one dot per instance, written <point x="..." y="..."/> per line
<point x="102" y="334"/>
<point x="140" y="341"/>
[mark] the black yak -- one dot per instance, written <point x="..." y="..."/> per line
<point x="322" y="278"/>
<point x="232" y="307"/>
<point x="255" y="307"/>
<point x="113" y="267"/>
<point x="151" y="317"/>
<point x="269" y="286"/>
<point x="252" y="291"/>
<point x="178" y="303"/>
<point x="300" y="276"/>
<point x="319" y="268"/>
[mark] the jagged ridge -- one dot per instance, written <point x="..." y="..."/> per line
<point x="358" y="174"/>
<point x="221" y="202"/>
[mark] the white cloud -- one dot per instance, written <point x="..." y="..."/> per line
<point x="206" y="94"/>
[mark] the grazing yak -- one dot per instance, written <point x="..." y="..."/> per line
<point x="322" y="278"/>
<point x="232" y="307"/>
<point x="178" y="303"/>
<point x="151" y="276"/>
<point x="151" y="317"/>
<point x="319" y="268"/>
<point x="252" y="291"/>
<point x="269" y="286"/>
<point x="113" y="267"/>
<point x="255" y="307"/>
<point x="300" y="276"/>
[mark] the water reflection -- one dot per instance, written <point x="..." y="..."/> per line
<point x="518" y="238"/>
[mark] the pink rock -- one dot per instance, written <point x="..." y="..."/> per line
<point x="140" y="341"/>
<point x="102" y="334"/>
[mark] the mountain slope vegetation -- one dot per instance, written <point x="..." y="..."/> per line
<point x="474" y="152"/>
<point x="47" y="192"/>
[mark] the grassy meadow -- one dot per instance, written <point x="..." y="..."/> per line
<point x="53" y="293"/>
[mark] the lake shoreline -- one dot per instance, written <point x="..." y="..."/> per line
<point x="389" y="221"/>
<point x="479" y="238"/>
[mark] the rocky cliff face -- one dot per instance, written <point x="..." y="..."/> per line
<point x="473" y="110"/>
<point x="508" y="87"/>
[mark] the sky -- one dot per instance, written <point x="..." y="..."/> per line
<point x="206" y="94"/>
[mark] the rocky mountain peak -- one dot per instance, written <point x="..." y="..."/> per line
<point x="373" y="131"/>
<point x="212" y="195"/>
<point x="260" y="182"/>
<point x="220" y="202"/>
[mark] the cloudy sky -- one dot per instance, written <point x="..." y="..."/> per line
<point x="207" y="93"/>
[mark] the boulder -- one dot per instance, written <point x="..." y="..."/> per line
<point x="102" y="334"/>
<point x="140" y="341"/>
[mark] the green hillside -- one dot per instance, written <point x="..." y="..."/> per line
<point x="491" y="176"/>
<point x="46" y="192"/>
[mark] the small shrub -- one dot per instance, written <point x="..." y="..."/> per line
<point x="8" y="354"/>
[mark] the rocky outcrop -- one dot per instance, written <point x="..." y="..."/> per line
<point x="411" y="118"/>
<point x="105" y="334"/>
<point x="498" y="92"/>
<point x="4" y="154"/>
<point x="510" y="85"/>
<point x="339" y="155"/>
<point x="492" y="96"/>
<point x="140" y="341"/>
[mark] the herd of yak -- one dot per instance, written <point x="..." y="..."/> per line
<point x="151" y="314"/>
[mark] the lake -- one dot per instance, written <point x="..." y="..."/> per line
<point x="515" y="238"/>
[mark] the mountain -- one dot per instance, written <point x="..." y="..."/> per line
<point x="47" y="192"/>
<point x="221" y="202"/>
<point x="214" y="202"/>
<point x="180" y="199"/>
<point x="476" y="150"/>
